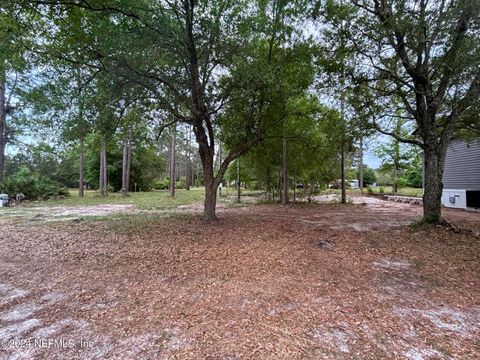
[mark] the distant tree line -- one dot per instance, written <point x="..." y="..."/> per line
<point x="290" y="90"/>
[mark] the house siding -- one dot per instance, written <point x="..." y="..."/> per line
<point x="462" y="166"/>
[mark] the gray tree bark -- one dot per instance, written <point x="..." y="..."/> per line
<point x="284" y="172"/>
<point x="124" y="168"/>
<point x="343" y="180"/>
<point x="238" y="181"/>
<point x="103" y="169"/>
<point x="188" y="172"/>
<point x="210" y="190"/>
<point x="81" y="184"/>
<point x="294" y="190"/>
<point x="432" y="196"/>
<point x="129" y="162"/>
<point x="360" y="166"/>
<point x="220" y="162"/>
<point x="3" y="122"/>
<point x="127" y="150"/>
<point x="172" y="161"/>
<point x="394" y="178"/>
<point x="342" y="116"/>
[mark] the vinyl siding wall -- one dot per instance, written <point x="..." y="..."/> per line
<point x="462" y="166"/>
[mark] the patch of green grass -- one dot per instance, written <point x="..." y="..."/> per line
<point x="152" y="200"/>
<point x="387" y="190"/>
<point x="403" y="191"/>
<point x="146" y="205"/>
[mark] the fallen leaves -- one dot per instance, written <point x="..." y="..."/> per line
<point x="253" y="285"/>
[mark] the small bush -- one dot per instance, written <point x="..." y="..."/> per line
<point x="414" y="177"/>
<point x="381" y="190"/>
<point x="162" y="184"/>
<point x="370" y="190"/>
<point x="32" y="185"/>
<point x="402" y="182"/>
<point x="181" y="183"/>
<point x="253" y="185"/>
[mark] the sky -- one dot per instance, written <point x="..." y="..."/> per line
<point x="369" y="157"/>
<point x="371" y="160"/>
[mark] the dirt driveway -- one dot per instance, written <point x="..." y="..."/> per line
<point x="324" y="281"/>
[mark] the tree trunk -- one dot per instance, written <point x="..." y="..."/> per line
<point x="342" y="164"/>
<point x="129" y="161"/>
<point x="124" y="168"/>
<point x="126" y="165"/>
<point x="197" y="176"/>
<point x="210" y="188"/>
<point x="238" y="181"/>
<point x="211" y="181"/>
<point x="269" y="186"/>
<point x="103" y="168"/>
<point x="284" y="173"/>
<point x="188" y="180"/>
<point x="172" y="162"/>
<point x="220" y="163"/>
<point x="105" y="176"/>
<point x="432" y="196"/>
<point x="81" y="184"/>
<point x="396" y="159"/>
<point x="209" y="210"/>
<point x="3" y="120"/>
<point x="100" y="173"/>
<point x="342" y="149"/>
<point x="294" y="190"/>
<point x="360" y="168"/>
<point x="394" y="179"/>
<point x="188" y="172"/>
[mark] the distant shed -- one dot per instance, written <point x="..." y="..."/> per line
<point x="461" y="175"/>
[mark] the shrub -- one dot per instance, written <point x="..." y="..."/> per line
<point x="402" y="182"/>
<point x="369" y="176"/>
<point x="253" y="185"/>
<point x="181" y="183"/>
<point x="370" y="190"/>
<point x="32" y="185"/>
<point x="162" y="184"/>
<point x="381" y="190"/>
<point x="414" y="177"/>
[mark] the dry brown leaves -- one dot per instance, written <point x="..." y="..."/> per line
<point x="254" y="285"/>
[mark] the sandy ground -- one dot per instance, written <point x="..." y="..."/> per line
<point x="64" y="213"/>
<point x="258" y="284"/>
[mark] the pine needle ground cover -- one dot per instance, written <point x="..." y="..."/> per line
<point x="257" y="284"/>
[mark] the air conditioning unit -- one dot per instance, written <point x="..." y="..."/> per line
<point x="453" y="199"/>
